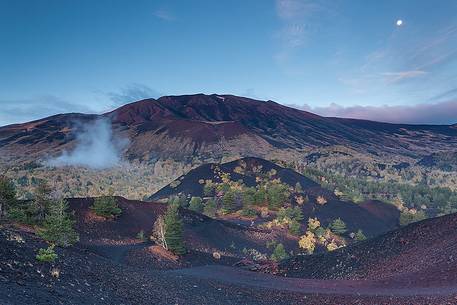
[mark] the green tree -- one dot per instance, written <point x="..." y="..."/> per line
<point x="41" y="202"/>
<point x="248" y="196"/>
<point x="106" y="206"/>
<point x="7" y="195"/>
<point x="196" y="204"/>
<point x="277" y="194"/>
<point x="174" y="230"/>
<point x="47" y="255"/>
<point x="338" y="226"/>
<point x="228" y="201"/>
<point x="260" y="196"/>
<point x="58" y="225"/>
<point x="294" y="228"/>
<point x="210" y="208"/>
<point x="208" y="188"/>
<point x="359" y="236"/>
<point x="279" y="253"/>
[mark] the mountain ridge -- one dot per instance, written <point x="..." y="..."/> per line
<point x="205" y="127"/>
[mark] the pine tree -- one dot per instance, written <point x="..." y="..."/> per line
<point x="210" y="208"/>
<point x="338" y="226"/>
<point x="41" y="202"/>
<point x="279" y="253"/>
<point x="228" y="201"/>
<point x="106" y="206"/>
<point x="359" y="236"/>
<point x="174" y="231"/>
<point x="58" y="225"/>
<point x="196" y="204"/>
<point x="7" y="195"/>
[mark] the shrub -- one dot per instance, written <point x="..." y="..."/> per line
<point x="58" y="225"/>
<point x="279" y="253"/>
<point x="338" y="226"/>
<point x="47" y="255"/>
<point x="106" y="206"/>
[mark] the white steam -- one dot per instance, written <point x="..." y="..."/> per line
<point x="96" y="148"/>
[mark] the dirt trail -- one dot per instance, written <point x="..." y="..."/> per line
<point x="329" y="287"/>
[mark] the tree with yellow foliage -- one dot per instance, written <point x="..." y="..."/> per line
<point x="308" y="242"/>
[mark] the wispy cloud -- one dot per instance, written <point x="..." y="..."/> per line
<point x="435" y="113"/>
<point x="23" y="110"/>
<point x="164" y="15"/>
<point x="298" y="22"/>
<point x="132" y="93"/>
<point x="394" y="77"/>
<point x="452" y="93"/>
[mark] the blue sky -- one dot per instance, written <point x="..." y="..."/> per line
<point x="333" y="57"/>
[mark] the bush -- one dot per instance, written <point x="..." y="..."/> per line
<point x="279" y="253"/>
<point x="409" y="217"/>
<point x="106" y="206"/>
<point x="58" y="225"/>
<point x="47" y="255"/>
<point x="196" y="204"/>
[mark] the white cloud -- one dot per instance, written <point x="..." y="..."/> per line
<point x="434" y="113"/>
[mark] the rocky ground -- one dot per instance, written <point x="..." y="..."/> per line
<point x="81" y="276"/>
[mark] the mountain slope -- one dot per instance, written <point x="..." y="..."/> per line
<point x="207" y="127"/>
<point x="422" y="253"/>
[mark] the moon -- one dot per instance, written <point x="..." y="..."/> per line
<point x="399" y="22"/>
